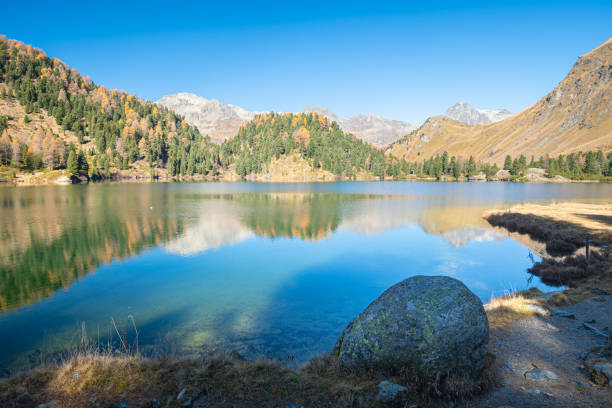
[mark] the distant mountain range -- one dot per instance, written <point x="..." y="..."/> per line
<point x="216" y="119"/>
<point x="466" y="113"/>
<point x="221" y="121"/>
<point x="374" y="129"/>
<point x="575" y="116"/>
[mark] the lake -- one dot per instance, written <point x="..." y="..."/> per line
<point x="265" y="269"/>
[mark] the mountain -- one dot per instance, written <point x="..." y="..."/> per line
<point x="218" y="120"/>
<point x="221" y="121"/>
<point x="466" y="113"/>
<point x="575" y="116"/>
<point x="371" y="128"/>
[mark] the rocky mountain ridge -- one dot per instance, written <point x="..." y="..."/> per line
<point x="222" y="121"/>
<point x="466" y="113"/>
<point x="216" y="119"/>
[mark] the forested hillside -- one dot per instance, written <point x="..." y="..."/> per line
<point x="71" y="123"/>
<point x="319" y="141"/>
<point x="113" y="129"/>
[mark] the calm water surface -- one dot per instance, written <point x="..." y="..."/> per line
<point x="265" y="269"/>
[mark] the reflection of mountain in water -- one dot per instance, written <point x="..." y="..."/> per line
<point x="232" y="218"/>
<point x="49" y="237"/>
<point x="464" y="236"/>
<point x="215" y="227"/>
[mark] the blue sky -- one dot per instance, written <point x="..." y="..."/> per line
<point x="402" y="60"/>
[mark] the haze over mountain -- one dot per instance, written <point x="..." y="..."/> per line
<point x="575" y="116"/>
<point x="466" y="113"/>
<point x="221" y="121"/>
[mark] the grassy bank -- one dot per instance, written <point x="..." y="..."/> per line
<point x="107" y="380"/>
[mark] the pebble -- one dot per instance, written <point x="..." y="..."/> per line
<point x="534" y="392"/>
<point x="540" y="375"/>
<point x="605" y="369"/>
<point x="563" y="313"/>
<point x="551" y="327"/>
<point x="599" y="291"/>
<point x="590" y="321"/>
<point x="181" y="394"/>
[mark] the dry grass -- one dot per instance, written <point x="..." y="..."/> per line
<point x="106" y="379"/>
<point x="502" y="312"/>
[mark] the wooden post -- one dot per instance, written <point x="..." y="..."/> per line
<point x="587" y="242"/>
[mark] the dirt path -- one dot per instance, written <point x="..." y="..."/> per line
<point x="550" y="343"/>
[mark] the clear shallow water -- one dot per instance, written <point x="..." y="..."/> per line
<point x="265" y="269"/>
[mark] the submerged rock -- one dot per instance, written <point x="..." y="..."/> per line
<point x="431" y="324"/>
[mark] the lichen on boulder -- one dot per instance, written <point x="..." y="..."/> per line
<point x="433" y="325"/>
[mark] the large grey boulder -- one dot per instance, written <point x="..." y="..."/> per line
<point x="431" y="324"/>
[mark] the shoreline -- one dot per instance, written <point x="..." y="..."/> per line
<point x="34" y="181"/>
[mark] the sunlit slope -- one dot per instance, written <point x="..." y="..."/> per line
<point x="575" y="116"/>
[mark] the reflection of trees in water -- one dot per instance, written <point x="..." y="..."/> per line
<point x="75" y="230"/>
<point x="305" y="216"/>
<point x="49" y="237"/>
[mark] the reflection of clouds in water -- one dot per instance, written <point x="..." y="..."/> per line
<point x="453" y="264"/>
<point x="463" y="236"/>
<point x="212" y="231"/>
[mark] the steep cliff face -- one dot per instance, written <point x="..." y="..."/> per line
<point x="575" y="116"/>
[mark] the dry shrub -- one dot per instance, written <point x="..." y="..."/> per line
<point x="572" y="270"/>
